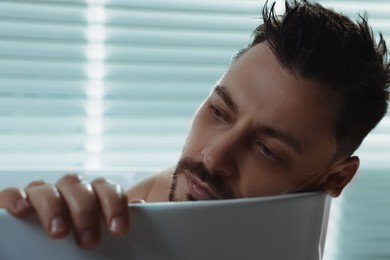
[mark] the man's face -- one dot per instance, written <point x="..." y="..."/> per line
<point x="261" y="131"/>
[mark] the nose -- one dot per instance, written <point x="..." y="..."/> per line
<point x="219" y="154"/>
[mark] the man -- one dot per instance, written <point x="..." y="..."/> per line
<point x="285" y="117"/>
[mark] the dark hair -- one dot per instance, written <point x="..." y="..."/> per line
<point x="327" y="47"/>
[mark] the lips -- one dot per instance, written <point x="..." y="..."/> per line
<point x="198" y="189"/>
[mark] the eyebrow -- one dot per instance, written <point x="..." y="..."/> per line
<point x="226" y="96"/>
<point x="284" y="136"/>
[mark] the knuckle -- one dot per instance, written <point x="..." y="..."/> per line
<point x="11" y="195"/>
<point x="70" y="178"/>
<point x="99" y="181"/>
<point x="36" y="183"/>
<point x="35" y="188"/>
<point x="107" y="186"/>
<point x="14" y="201"/>
<point x="11" y="191"/>
<point x="42" y="190"/>
<point x="110" y="194"/>
<point x="117" y="189"/>
<point x="46" y="199"/>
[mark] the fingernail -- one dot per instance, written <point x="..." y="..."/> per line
<point x="58" y="225"/>
<point x="87" y="239"/>
<point x="21" y="204"/>
<point x="118" y="225"/>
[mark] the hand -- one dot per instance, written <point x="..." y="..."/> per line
<point x="72" y="204"/>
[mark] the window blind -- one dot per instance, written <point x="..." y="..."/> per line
<point x="109" y="84"/>
<point x="114" y="84"/>
<point x="42" y="83"/>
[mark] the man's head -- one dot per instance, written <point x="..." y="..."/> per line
<point x="290" y="110"/>
<point x="318" y="44"/>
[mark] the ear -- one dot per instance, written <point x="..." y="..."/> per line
<point x="340" y="175"/>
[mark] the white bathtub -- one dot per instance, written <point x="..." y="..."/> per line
<point x="271" y="228"/>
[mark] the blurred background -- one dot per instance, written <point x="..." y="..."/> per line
<point x="112" y="85"/>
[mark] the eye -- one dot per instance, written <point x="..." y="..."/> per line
<point x="217" y="114"/>
<point x="266" y="151"/>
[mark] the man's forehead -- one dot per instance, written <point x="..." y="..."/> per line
<point x="259" y="68"/>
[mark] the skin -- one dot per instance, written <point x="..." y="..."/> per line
<point x="261" y="131"/>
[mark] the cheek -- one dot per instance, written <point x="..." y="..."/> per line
<point x="198" y="133"/>
<point x="264" y="184"/>
<point x="274" y="181"/>
<point x="262" y="178"/>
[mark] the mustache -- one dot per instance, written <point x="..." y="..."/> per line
<point x="199" y="170"/>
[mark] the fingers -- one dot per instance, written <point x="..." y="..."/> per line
<point x="113" y="204"/>
<point x="72" y="204"/>
<point x="15" y="202"/>
<point x="50" y="208"/>
<point x="83" y="208"/>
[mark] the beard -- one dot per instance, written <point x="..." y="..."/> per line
<point x="198" y="169"/>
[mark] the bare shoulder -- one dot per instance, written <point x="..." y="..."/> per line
<point x="153" y="189"/>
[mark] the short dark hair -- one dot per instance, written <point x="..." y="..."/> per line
<point x="327" y="47"/>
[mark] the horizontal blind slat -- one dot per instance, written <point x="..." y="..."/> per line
<point x="43" y="106"/>
<point x="42" y="87"/>
<point x="168" y="72"/>
<point x="40" y="68"/>
<point x="30" y="125"/>
<point x="169" y="20"/>
<point x="76" y="142"/>
<point x="46" y="12"/>
<point x="174" y="38"/>
<point x="42" y="50"/>
<point x="150" y="88"/>
<point x="168" y="55"/>
<point x="191" y="6"/>
<point x="42" y="31"/>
